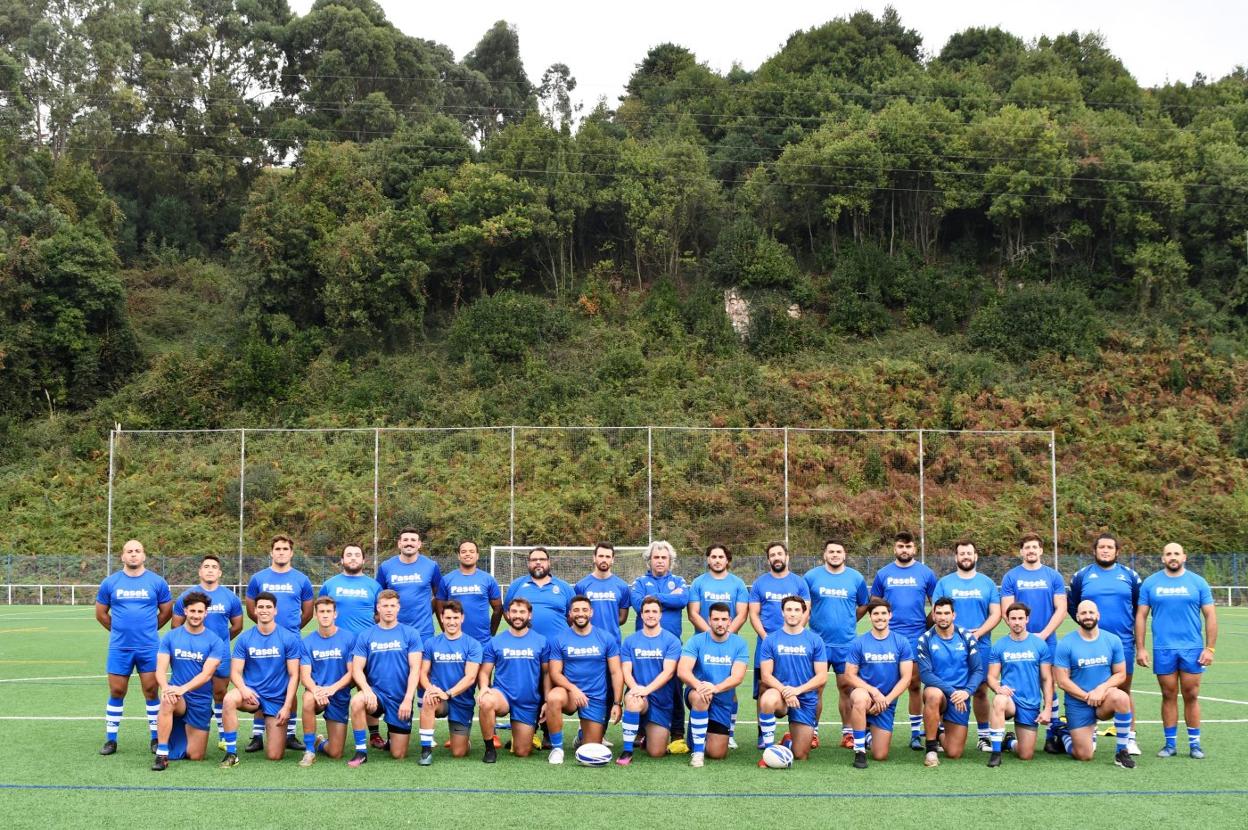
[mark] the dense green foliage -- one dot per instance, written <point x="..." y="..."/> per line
<point x="220" y="213"/>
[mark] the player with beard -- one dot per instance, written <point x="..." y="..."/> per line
<point x="838" y="599"/>
<point x="354" y="593"/>
<point x="1089" y="668"/>
<point x="586" y="679"/>
<point x="977" y="605"/>
<point x="512" y="676"/>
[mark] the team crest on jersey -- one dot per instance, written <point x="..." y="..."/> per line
<point x="671" y="585"/>
<point x="554" y="589"/>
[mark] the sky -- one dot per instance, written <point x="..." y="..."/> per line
<point x="602" y="43"/>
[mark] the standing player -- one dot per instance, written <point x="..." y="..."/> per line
<point x="293" y="591"/>
<point x="325" y="670"/>
<point x="719" y="585"/>
<point x="648" y="660"/>
<point x="1177" y="599"/>
<point x="132" y="605"/>
<point x="265" y="674"/>
<point x="448" y="675"/>
<point x="610" y="595"/>
<point x="977" y="605"/>
<point x="225" y="619"/>
<point x="1089" y="668"/>
<point x="474" y="589"/>
<point x="1115" y="589"/>
<point x="1020" y="674"/>
<point x="672" y="593"/>
<point x="582" y="659"/>
<point x="951" y="669"/>
<point x="1042" y="588"/>
<point x="907" y="586"/>
<point x="838" y="599"/>
<point x="354" y="592"/>
<point x="766" y="615"/>
<point x="517" y="659"/>
<point x="794" y="671"/>
<point x="385" y="665"/>
<point x="193" y="653"/>
<point x="878" y="667"/>
<point x="712" y="666"/>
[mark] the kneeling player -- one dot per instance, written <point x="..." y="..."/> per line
<point x="648" y="660"/>
<point x="951" y="670"/>
<point x="1089" y="667"/>
<point x="794" y="667"/>
<point x="448" y="675"/>
<point x="325" y="670"/>
<point x="712" y="664"/>
<point x="265" y="673"/>
<point x="878" y="667"/>
<point x="1020" y="673"/>
<point x="518" y="662"/>
<point x="193" y="653"/>
<point x="581" y="660"/>
<point x="386" y="666"/>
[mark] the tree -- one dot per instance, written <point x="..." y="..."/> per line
<point x="507" y="95"/>
<point x="555" y="93"/>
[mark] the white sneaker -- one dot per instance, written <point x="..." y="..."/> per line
<point x="931" y="760"/>
<point x="1132" y="747"/>
<point x="732" y="742"/>
<point x="308" y="759"/>
<point x="697" y="759"/>
<point x="556" y="755"/>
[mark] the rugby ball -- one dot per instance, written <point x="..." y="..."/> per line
<point x="593" y="755"/>
<point x="778" y="756"/>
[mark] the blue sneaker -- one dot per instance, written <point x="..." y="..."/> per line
<point x="1167" y="751"/>
<point x="916" y="743"/>
<point x="1197" y="752"/>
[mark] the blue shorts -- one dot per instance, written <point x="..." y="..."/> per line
<point x="1170" y="660"/>
<point x="594" y="711"/>
<point x="836" y="657"/>
<point x="388" y="710"/>
<point x="950" y="714"/>
<point x="124" y="661"/>
<point x="984" y="649"/>
<point x="339" y="707"/>
<point x="1026" y="716"/>
<point x="1128" y="654"/>
<point x="525" y="712"/>
<point x="804" y="712"/>
<point x="884" y="720"/>
<point x="723" y="707"/>
<point x="223" y="669"/>
<point x="270" y="706"/>
<point x="1079" y="714"/>
<point x="198" y="713"/>
<point x="459" y="712"/>
<point x="658" y="715"/>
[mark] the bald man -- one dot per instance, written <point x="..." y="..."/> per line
<point x="1090" y="668"/>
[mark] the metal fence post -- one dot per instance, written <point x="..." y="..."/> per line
<point x="511" y="515"/>
<point x="649" y="484"/>
<point x="922" y="506"/>
<point x="376" y="492"/>
<point x="786" y="487"/>
<point x="1053" y="483"/>
<point x="242" y="478"/>
<point x="108" y="533"/>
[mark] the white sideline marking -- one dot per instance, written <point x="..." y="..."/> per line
<point x="1202" y="697"/>
<point x="58" y="677"/>
<point x="740" y="722"/>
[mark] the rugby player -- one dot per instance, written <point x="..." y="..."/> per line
<point x="474" y="589"/>
<point x="1089" y="667"/>
<point x="415" y="578"/>
<point x="385" y="665"/>
<point x="193" y="653"/>
<point x="1177" y="599"/>
<point x="325" y="671"/>
<point x="907" y="585"/>
<point x="766" y="594"/>
<point x="878" y="666"/>
<point x="448" y="676"/>
<point x="838" y="599"/>
<point x="225" y="619"/>
<point x="265" y="673"/>
<point x="794" y="670"/>
<point x="718" y="584"/>
<point x="1044" y="591"/>
<point x="132" y="605"/>
<point x="712" y="666"/>
<point x="513" y="672"/>
<point x="672" y="593"/>
<point x="977" y="606"/>
<point x="581" y="660"/>
<point x="354" y="592"/>
<point x="1020" y="674"/>
<point x="648" y="660"/>
<point x="610" y="595"/>
<point x="951" y="669"/>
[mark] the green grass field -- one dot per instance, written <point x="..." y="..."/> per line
<point x="52" y="693"/>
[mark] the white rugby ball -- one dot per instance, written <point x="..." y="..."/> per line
<point x="593" y="755"/>
<point x="778" y="756"/>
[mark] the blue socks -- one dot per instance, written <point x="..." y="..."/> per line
<point x="1193" y="736"/>
<point x="361" y="739"/>
<point x="631" y="722"/>
<point x="767" y="726"/>
<point x="112" y="717"/>
<point x="153" y="709"/>
<point x="556" y="740"/>
<point x="426" y="739"/>
<point x="996" y="736"/>
<point x="860" y="740"/>
<point x="231" y="742"/>
<point x="916" y="725"/>
<point x="1122" y="729"/>
<point x="309" y="742"/>
<point x="698" y="722"/>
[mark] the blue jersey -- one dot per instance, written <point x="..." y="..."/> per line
<point x="291" y="588"/>
<point x="134" y="604"/>
<point x="1175" y="603"/>
<point x="907" y="590"/>
<point x="550" y="604"/>
<point x="834" y="602"/>
<point x="1116" y="592"/>
<point x="448" y="661"/>
<point x="713" y="661"/>
<point x="1020" y="663"/>
<point x="647" y="656"/>
<point x="951" y="664"/>
<point x="328" y="657"/>
<point x="265" y="656"/>
<point x="386" y="652"/>
<point x="794" y="657"/>
<point x="355" y="598"/>
<point x="474" y="591"/>
<point x="223" y="606"/>
<point x="972" y="600"/>
<point x="1090" y="662"/>
<point x="518" y="665"/>
<point x="187" y="654"/>
<point x="608" y="597"/>
<point x="707" y="590"/>
<point x="585" y="660"/>
<point x="1037" y="589"/>
<point x="416" y="582"/>
<point x="671" y="592"/>
<point x="879" y="660"/>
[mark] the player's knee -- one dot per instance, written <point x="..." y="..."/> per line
<point x="999" y="704"/>
<point x="953" y="752"/>
<point x="657" y="750"/>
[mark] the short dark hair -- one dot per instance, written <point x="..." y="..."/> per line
<point x="521" y="601"/>
<point x="776" y="544"/>
<point x="604" y="546"/>
<point x="651" y="600"/>
<point x="1029" y="537"/>
<point x="388" y="593"/>
<point x="877" y="602"/>
<point x="452" y="605"/>
<point x="834" y="542"/>
<point x="719" y="606"/>
<point x="1018" y="606"/>
<point x="580" y="598"/>
<point x="208" y="556"/>
<point x="793" y="598"/>
<point x="196" y="596"/>
<point x="281" y="537"/>
<point x="325" y="601"/>
<point x="718" y="546"/>
<point x="964" y="543"/>
<point x="942" y="602"/>
<point x="535" y="549"/>
<point x="903" y="536"/>
<point x="265" y="595"/>
<point x="1111" y="537"/>
<point x="408" y="529"/>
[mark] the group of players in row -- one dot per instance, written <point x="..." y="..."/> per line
<point x="563" y="653"/>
